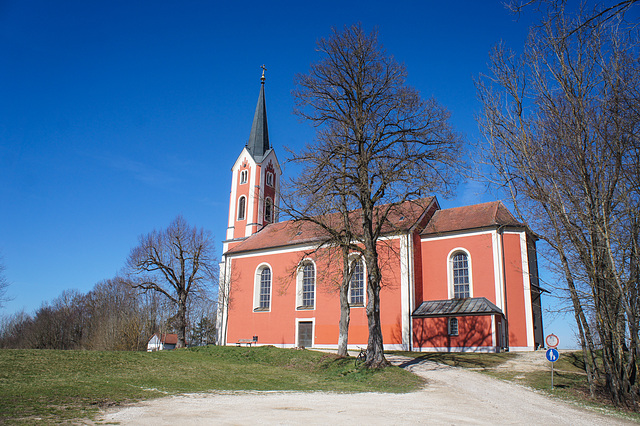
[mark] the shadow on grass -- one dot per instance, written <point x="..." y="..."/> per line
<point x="466" y="360"/>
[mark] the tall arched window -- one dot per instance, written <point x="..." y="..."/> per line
<point x="356" y="284"/>
<point x="268" y="210"/>
<point x="242" y="206"/>
<point x="460" y="275"/>
<point x="262" y="288"/>
<point x="265" y="288"/>
<point x="306" y="294"/>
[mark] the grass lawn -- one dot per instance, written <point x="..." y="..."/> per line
<point x="55" y="386"/>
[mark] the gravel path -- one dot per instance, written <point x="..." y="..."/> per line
<point x="452" y="396"/>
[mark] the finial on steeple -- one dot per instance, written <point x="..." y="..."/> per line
<point x="263" y="70"/>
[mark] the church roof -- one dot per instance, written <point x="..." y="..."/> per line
<point x="456" y="308"/>
<point x="401" y="218"/>
<point x="258" y="144"/>
<point x="469" y="217"/>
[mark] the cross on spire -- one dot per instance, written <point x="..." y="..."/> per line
<point x="263" y="70"/>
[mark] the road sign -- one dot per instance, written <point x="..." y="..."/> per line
<point x="552" y="340"/>
<point x="552" y="355"/>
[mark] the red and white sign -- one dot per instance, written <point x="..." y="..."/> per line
<point x="552" y="340"/>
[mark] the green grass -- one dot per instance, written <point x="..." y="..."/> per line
<point x="57" y="386"/>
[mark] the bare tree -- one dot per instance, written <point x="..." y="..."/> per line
<point x="610" y="10"/>
<point x="176" y="262"/>
<point x="112" y="316"/>
<point x="228" y="276"/>
<point x="562" y="122"/>
<point x="60" y="324"/>
<point x="202" y="319"/>
<point x="14" y="330"/>
<point x="376" y="138"/>
<point x="4" y="284"/>
<point x="326" y="205"/>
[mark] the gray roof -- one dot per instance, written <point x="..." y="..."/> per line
<point x="258" y="144"/>
<point x="456" y="308"/>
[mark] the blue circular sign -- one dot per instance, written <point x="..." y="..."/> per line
<point x="552" y="354"/>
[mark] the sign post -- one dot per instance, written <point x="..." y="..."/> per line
<point x="552" y="353"/>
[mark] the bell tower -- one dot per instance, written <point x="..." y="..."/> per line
<point x="255" y="180"/>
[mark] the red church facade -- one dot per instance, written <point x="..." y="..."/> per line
<point x="460" y="279"/>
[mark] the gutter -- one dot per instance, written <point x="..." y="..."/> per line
<point x="504" y="287"/>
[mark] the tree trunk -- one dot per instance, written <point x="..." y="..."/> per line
<point x="345" y="317"/>
<point x="375" y="347"/>
<point x="182" y="320"/>
<point x="586" y="341"/>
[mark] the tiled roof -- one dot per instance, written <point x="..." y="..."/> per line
<point x="400" y="218"/>
<point x="456" y="307"/>
<point x="169" y="339"/>
<point x="470" y="217"/>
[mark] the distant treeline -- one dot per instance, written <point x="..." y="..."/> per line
<point x="112" y="316"/>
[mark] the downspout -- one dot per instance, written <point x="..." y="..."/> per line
<point x="412" y="284"/>
<point x="504" y="289"/>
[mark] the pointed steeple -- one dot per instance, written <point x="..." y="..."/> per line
<point x="258" y="143"/>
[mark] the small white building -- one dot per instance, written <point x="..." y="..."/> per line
<point x="162" y="342"/>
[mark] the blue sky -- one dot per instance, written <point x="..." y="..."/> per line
<point x="117" y="116"/>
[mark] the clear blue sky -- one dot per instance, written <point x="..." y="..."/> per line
<point x="117" y="116"/>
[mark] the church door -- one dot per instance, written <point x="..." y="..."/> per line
<point x="305" y="334"/>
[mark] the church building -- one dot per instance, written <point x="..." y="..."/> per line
<point x="458" y="279"/>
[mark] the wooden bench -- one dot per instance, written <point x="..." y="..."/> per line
<point x="247" y="342"/>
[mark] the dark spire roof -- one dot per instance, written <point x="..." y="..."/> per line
<point x="258" y="143"/>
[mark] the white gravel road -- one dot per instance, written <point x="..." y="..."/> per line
<point x="453" y="396"/>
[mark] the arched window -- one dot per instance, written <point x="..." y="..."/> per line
<point x="262" y="288"/>
<point x="269" y="178"/>
<point x="306" y="293"/>
<point x="265" y="288"/>
<point x="243" y="176"/>
<point x="453" y="326"/>
<point x="460" y="275"/>
<point x="242" y="204"/>
<point x="356" y="284"/>
<point x="268" y="210"/>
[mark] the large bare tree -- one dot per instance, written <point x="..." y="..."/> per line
<point x="378" y="142"/>
<point x="176" y="262"/>
<point x="563" y="121"/>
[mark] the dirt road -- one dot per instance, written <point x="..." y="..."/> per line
<point x="452" y="396"/>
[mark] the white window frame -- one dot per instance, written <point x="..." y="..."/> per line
<point x="450" y="256"/>
<point x="450" y="327"/>
<point x="357" y="258"/>
<point x="242" y="211"/>
<point x="244" y="177"/>
<point x="257" y="288"/>
<point x="300" y="286"/>
<point x="269" y="178"/>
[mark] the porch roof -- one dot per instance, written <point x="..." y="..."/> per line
<point x="456" y="308"/>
